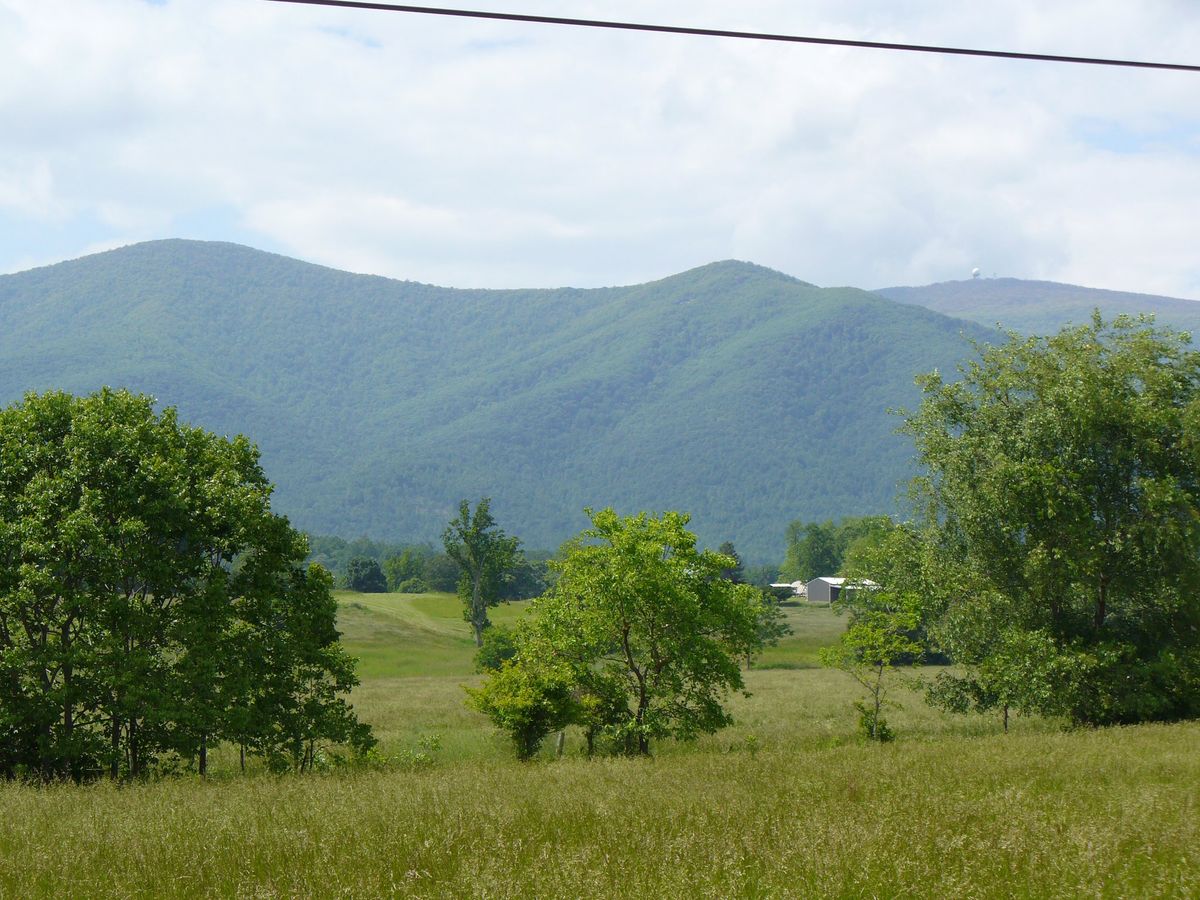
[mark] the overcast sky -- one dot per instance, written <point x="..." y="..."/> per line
<point x="489" y="154"/>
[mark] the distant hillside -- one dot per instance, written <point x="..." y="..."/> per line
<point x="1042" y="307"/>
<point x="740" y="394"/>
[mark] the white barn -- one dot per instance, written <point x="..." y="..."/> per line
<point x="825" y="589"/>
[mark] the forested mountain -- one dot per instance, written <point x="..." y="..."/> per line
<point x="742" y="395"/>
<point x="1041" y="307"/>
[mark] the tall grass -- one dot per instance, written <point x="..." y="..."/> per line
<point x="787" y="803"/>
<point x="1104" y="814"/>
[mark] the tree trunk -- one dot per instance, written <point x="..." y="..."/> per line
<point x="135" y="763"/>
<point x="878" y="697"/>
<point x="1006" y="718"/>
<point x="643" y="742"/>
<point x="478" y="610"/>
<point x="558" y="745"/>
<point x="114" y="768"/>
<point x="242" y="757"/>
<point x="68" y="719"/>
<point x="203" y="756"/>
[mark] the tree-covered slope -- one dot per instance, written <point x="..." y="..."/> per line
<point x="740" y="394"/>
<point x="1041" y="307"/>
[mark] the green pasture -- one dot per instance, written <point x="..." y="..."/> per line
<point x="788" y="802"/>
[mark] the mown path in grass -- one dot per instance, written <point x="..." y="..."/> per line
<point x="424" y="635"/>
<point x="411" y="635"/>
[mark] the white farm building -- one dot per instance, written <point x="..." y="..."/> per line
<point x="825" y="589"/>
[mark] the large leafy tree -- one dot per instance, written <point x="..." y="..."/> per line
<point x="1062" y="504"/>
<point x="640" y="614"/>
<point x="127" y="632"/>
<point x="485" y="555"/>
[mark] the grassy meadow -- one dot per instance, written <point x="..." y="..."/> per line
<point x="786" y="803"/>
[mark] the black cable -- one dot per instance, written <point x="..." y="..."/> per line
<point x="744" y="35"/>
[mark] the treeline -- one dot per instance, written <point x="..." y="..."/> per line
<point x="815" y="549"/>
<point x="372" y="566"/>
<point x="151" y="604"/>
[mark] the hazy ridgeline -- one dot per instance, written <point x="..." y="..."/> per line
<point x="740" y="394"/>
<point x="785" y="803"/>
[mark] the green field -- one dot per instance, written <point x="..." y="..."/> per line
<point x="786" y="803"/>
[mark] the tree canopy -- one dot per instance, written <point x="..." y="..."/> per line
<point x="821" y="548"/>
<point x="486" y="556"/>
<point x="365" y="575"/>
<point x="151" y="604"/>
<point x="643" y="626"/>
<point x="1061" y="502"/>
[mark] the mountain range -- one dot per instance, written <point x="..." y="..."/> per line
<point x="740" y="394"/>
<point x="1042" y="307"/>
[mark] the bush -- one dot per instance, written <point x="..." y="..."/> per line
<point x="363" y="574"/>
<point x="412" y="586"/>
<point x="499" y="645"/>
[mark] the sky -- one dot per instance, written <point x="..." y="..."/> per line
<point x="491" y="154"/>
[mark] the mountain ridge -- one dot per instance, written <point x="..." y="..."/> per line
<point x="1041" y="307"/>
<point x="742" y="395"/>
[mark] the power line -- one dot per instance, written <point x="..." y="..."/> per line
<point x="743" y="35"/>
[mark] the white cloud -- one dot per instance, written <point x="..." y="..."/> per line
<point x="493" y="154"/>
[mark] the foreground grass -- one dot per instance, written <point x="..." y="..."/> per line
<point x="1104" y="814"/>
<point x="786" y="803"/>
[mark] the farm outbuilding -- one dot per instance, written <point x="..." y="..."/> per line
<point x="825" y="589"/>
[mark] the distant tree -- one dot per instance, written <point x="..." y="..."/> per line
<point x="735" y="572"/>
<point x="402" y="567"/>
<point x="527" y="579"/>
<point x="813" y="550"/>
<point x="364" y="574"/>
<point x="485" y="554"/>
<point x="762" y="576"/>
<point x="440" y="572"/>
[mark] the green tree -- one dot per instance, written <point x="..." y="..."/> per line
<point x="499" y="646"/>
<point x="1061" y="498"/>
<point x="636" y="604"/>
<point x="127" y="632"/>
<point x="734" y="573"/>
<point x="406" y="566"/>
<point x="812" y="551"/>
<point x="770" y="626"/>
<point x="820" y="548"/>
<point x="364" y="574"/>
<point x="485" y="555"/>
<point x="440" y="572"/>
<point x="877" y="639"/>
<point x="529" y="700"/>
